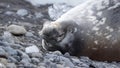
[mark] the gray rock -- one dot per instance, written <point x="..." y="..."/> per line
<point x="32" y="49"/>
<point x="35" y="61"/>
<point x="35" y="55"/>
<point x="11" y="65"/>
<point x="24" y="57"/>
<point x="57" y="10"/>
<point x="104" y="65"/>
<point x="9" y="13"/>
<point x="10" y="51"/>
<point x="50" y="65"/>
<point x="16" y="29"/>
<point x="38" y="15"/>
<point x="3" y="53"/>
<point x="8" y="37"/>
<point x="29" y="34"/>
<point x="22" y="12"/>
<point x="4" y="44"/>
<point x="12" y="60"/>
<point x="60" y="66"/>
<point x="51" y="57"/>
<point x="17" y="46"/>
<point x="29" y="65"/>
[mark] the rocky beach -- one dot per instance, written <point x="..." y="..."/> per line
<point x="20" y="43"/>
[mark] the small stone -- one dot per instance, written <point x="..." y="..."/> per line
<point x="3" y="53"/>
<point x="9" y="13"/>
<point x="2" y="65"/>
<point x="35" y="55"/>
<point x="3" y="61"/>
<point x="16" y="29"/>
<point x="38" y="15"/>
<point x="10" y="51"/>
<point x="41" y="67"/>
<point x="35" y="61"/>
<point x="31" y="49"/>
<point x="60" y="66"/>
<point x="8" y="37"/>
<point x="57" y="53"/>
<point x="24" y="57"/>
<point x="22" y="12"/>
<point x="29" y="34"/>
<point x="12" y="60"/>
<point x="11" y="65"/>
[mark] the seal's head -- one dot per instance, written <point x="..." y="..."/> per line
<point x="58" y="36"/>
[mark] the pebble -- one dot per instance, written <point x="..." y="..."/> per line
<point x="60" y="66"/>
<point x="35" y="61"/>
<point x="32" y="49"/>
<point x="11" y="65"/>
<point x="24" y="57"/>
<point x="16" y="29"/>
<point x="2" y="65"/>
<point x="7" y="36"/>
<point x="29" y="34"/>
<point x="9" y="13"/>
<point x="38" y="15"/>
<point x="10" y="51"/>
<point x="12" y="60"/>
<point x="22" y="12"/>
<point x="3" y="53"/>
<point x="3" y="61"/>
<point x="35" y="55"/>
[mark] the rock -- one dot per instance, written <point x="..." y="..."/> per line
<point x="22" y="12"/>
<point x="3" y="54"/>
<point x="29" y="65"/>
<point x="8" y="37"/>
<point x="11" y="65"/>
<point x="2" y="65"/>
<point x="10" y="51"/>
<point x="35" y="55"/>
<point x="57" y="53"/>
<point x="60" y="66"/>
<point x="57" y="10"/>
<point x="16" y="29"/>
<point x="31" y="49"/>
<point x="41" y="67"/>
<point x="9" y="13"/>
<point x="35" y="61"/>
<point x="38" y="15"/>
<point x="29" y="34"/>
<point x="3" y="61"/>
<point x="4" y="44"/>
<point x="24" y="57"/>
<point x="12" y="60"/>
<point x="17" y="46"/>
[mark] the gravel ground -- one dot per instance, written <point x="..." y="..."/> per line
<point x="21" y="48"/>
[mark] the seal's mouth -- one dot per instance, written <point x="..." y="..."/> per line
<point x="45" y="45"/>
<point x="49" y="43"/>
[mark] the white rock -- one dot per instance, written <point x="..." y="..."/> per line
<point x="32" y="49"/>
<point x="57" y="10"/>
<point x="38" y="15"/>
<point x="2" y="65"/>
<point x="22" y="12"/>
<point x="16" y="29"/>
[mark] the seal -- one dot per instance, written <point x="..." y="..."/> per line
<point x="90" y="29"/>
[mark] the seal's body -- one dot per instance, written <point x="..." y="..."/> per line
<point x="91" y="29"/>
